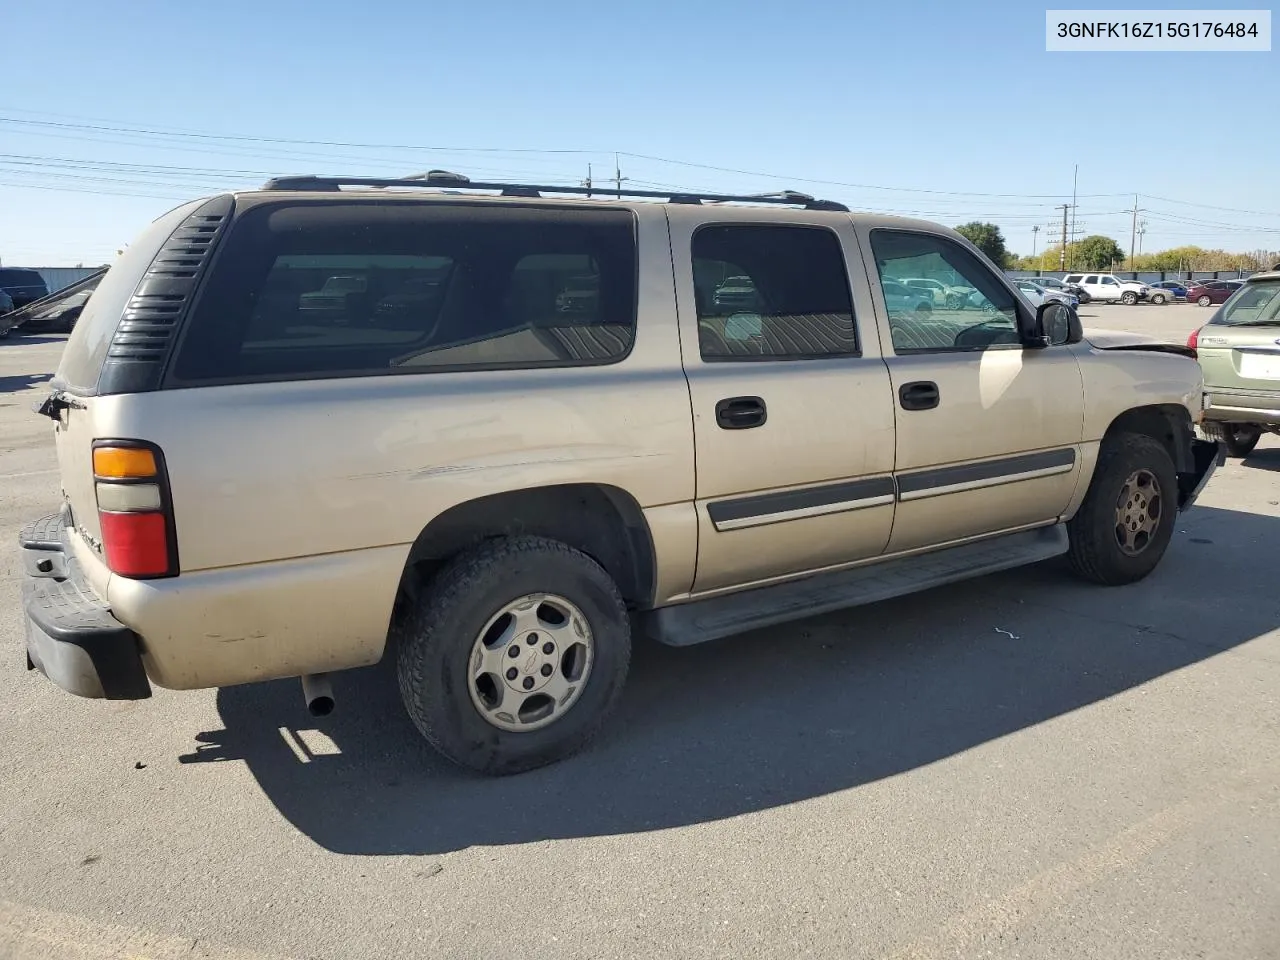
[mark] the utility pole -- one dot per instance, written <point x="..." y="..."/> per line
<point x="587" y="182"/>
<point x="1142" y="228"/>
<point x="1133" y="231"/>
<point x="1034" y="230"/>
<point x="1062" y="255"/>
<point x="1075" y="181"/>
<point x="617" y="175"/>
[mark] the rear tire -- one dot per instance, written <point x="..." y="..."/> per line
<point x="1158" y="298"/>
<point x="1205" y="301"/>
<point x="1240" y="438"/>
<point x="1125" y="523"/>
<point x="445" y="639"/>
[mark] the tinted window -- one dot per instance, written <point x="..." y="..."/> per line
<point x="360" y="288"/>
<point x="771" y="292"/>
<point x="1091" y="279"/>
<point x="986" y="317"/>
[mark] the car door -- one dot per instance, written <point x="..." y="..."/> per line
<point x="988" y="431"/>
<point x="1111" y="288"/>
<point x="792" y="413"/>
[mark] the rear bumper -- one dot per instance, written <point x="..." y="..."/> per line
<point x="72" y="638"/>
<point x="1242" y="407"/>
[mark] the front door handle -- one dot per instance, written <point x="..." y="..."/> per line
<point x="919" y="395"/>
<point x="739" y="413"/>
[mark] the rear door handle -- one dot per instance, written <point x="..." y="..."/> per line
<point x="739" y="413"/>
<point x="919" y="395"/>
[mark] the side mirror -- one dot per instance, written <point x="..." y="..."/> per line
<point x="1055" y="324"/>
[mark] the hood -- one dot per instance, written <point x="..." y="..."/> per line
<point x="1123" y="340"/>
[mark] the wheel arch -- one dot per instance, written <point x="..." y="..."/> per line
<point x="1169" y="424"/>
<point x="603" y="521"/>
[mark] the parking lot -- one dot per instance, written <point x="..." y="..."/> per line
<point x="1019" y="766"/>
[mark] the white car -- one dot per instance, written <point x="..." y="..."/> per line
<point x="1038" y="294"/>
<point x="941" y="294"/>
<point x="1103" y="286"/>
<point x="903" y="300"/>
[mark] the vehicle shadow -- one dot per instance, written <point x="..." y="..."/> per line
<point x="769" y="718"/>
<point x="1267" y="458"/>
<point x="23" y="381"/>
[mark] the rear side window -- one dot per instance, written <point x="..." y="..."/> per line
<point x="771" y="293"/>
<point x="349" y="288"/>
<point x="87" y="347"/>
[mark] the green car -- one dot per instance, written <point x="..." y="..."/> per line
<point x="1239" y="350"/>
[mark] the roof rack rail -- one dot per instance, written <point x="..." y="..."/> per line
<point x="454" y="181"/>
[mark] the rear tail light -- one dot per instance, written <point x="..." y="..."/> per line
<point x="134" y="509"/>
<point x="1193" y="341"/>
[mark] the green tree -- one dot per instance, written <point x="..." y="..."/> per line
<point x="987" y="238"/>
<point x="1095" y="253"/>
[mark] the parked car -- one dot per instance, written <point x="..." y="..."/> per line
<point x="1053" y="283"/>
<point x="1038" y="294"/>
<point x="1239" y="350"/>
<point x="940" y="294"/>
<point x="901" y="299"/>
<point x="499" y="496"/>
<point x="738" y="293"/>
<point x="1175" y="289"/>
<point x="1208" y="292"/>
<point x="6" y="308"/>
<point x="1103" y="286"/>
<point x="58" y="312"/>
<point x="23" y="285"/>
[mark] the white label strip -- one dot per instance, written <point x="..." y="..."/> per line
<point x="1242" y="31"/>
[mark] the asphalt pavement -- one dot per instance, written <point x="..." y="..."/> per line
<point x="1022" y="766"/>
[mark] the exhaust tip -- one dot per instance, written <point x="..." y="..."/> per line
<point x="317" y="691"/>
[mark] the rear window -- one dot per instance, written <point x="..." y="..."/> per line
<point x="1256" y="305"/>
<point x="351" y="288"/>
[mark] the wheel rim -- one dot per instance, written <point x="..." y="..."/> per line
<point x="1138" y="511"/>
<point x="1204" y="301"/>
<point x="530" y="663"/>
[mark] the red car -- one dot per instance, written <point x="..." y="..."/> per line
<point x="1207" y="292"/>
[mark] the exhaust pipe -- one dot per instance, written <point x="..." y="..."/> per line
<point x="318" y="692"/>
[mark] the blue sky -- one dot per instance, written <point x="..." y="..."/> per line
<point x="956" y="108"/>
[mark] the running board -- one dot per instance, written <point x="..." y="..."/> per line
<point x="685" y="624"/>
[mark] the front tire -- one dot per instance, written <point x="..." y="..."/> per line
<point x="1129" y="298"/>
<point x="1205" y="301"/>
<point x="1125" y="523"/>
<point x="1158" y="298"/>
<point x="514" y="654"/>
<point x="1084" y="298"/>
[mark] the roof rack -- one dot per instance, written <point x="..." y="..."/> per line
<point x="456" y="181"/>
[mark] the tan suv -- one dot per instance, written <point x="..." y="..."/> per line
<point x="495" y="432"/>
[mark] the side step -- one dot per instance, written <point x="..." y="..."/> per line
<point x="685" y="624"/>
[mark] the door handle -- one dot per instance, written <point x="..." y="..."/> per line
<point x="919" y="395"/>
<point x="739" y="413"/>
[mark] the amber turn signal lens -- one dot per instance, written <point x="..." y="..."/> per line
<point x="120" y="463"/>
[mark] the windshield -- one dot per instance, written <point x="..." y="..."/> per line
<point x="1254" y="304"/>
